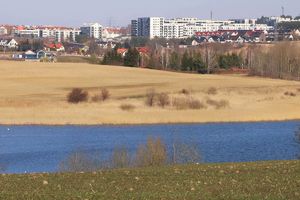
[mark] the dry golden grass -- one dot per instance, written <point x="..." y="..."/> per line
<point x="35" y="93"/>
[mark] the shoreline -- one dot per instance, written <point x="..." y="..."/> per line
<point x="149" y="124"/>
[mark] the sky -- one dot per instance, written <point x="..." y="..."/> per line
<point x="120" y="12"/>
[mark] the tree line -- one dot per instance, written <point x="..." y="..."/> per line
<point x="281" y="61"/>
<point x="205" y="59"/>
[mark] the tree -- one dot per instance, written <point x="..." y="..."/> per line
<point x="175" y="61"/>
<point x="132" y="58"/>
<point x="94" y="48"/>
<point x="82" y="39"/>
<point x="186" y="62"/>
<point x="37" y="45"/>
<point x="24" y="45"/>
<point x="198" y="64"/>
<point x="138" y="41"/>
<point x="112" y="57"/>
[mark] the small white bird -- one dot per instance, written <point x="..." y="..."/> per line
<point x="8" y="129"/>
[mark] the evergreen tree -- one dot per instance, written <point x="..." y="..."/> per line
<point x="132" y="58"/>
<point x="175" y="61"/>
<point x="186" y="62"/>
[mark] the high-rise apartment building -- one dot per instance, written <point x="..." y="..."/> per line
<point x="93" y="30"/>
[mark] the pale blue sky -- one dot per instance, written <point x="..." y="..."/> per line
<point x="75" y="12"/>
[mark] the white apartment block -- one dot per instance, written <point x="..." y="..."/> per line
<point x="28" y="33"/>
<point x="187" y="27"/>
<point x="93" y="30"/>
<point x="66" y="35"/>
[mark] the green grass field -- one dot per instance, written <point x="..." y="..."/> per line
<point x="262" y="180"/>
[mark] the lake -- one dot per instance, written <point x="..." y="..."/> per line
<point x="26" y="149"/>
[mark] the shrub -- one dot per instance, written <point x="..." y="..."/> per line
<point x="185" y="92"/>
<point x="150" y="98"/>
<point x="196" y="104"/>
<point x="96" y="98"/>
<point x="77" y="95"/>
<point x="163" y="100"/>
<point x="291" y="94"/>
<point x="105" y="94"/>
<point x="218" y="104"/>
<point x="120" y="158"/>
<point x="127" y="107"/>
<point x="212" y="91"/>
<point x="80" y="162"/>
<point x="154" y="153"/>
<point x="181" y="103"/>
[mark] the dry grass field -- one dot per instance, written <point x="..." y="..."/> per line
<point x="35" y="93"/>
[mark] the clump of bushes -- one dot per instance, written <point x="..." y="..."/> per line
<point x="77" y="95"/>
<point x="153" y="153"/>
<point x="150" y="98"/>
<point x="120" y="158"/>
<point x="127" y="107"/>
<point x="212" y="91"/>
<point x="163" y="100"/>
<point x="160" y="99"/>
<point x="80" y="162"/>
<point x="218" y="104"/>
<point x="291" y="94"/>
<point x="102" y="96"/>
<point x="182" y="103"/>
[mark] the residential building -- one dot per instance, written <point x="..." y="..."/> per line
<point x="187" y="27"/>
<point x="3" y="30"/>
<point x="11" y="44"/>
<point x="150" y="27"/>
<point x="134" y="28"/>
<point x="93" y="30"/>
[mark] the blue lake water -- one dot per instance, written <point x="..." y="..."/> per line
<point x="41" y="148"/>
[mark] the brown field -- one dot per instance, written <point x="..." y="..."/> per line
<point x="35" y="93"/>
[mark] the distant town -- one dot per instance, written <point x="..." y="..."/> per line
<point x="77" y="41"/>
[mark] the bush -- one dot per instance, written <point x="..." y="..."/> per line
<point x="163" y="100"/>
<point x="218" y="104"/>
<point x="127" y="107"/>
<point x="77" y="95"/>
<point x="80" y="162"/>
<point x="150" y="98"/>
<point x="291" y="94"/>
<point x="120" y="158"/>
<point x="212" y="91"/>
<point x="196" y="104"/>
<point x="181" y="103"/>
<point x="105" y="94"/>
<point x="154" y="153"/>
<point x="185" y="92"/>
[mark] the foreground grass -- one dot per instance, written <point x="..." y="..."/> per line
<point x="264" y="180"/>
